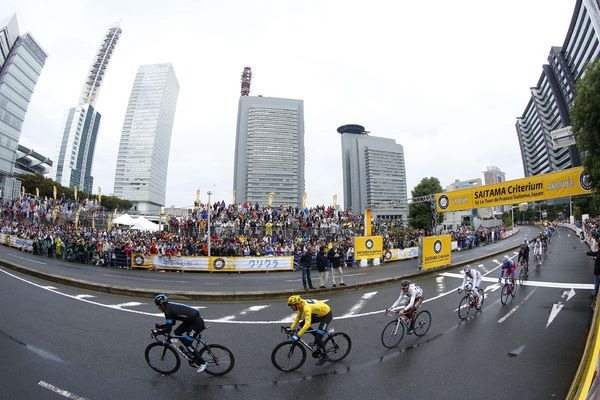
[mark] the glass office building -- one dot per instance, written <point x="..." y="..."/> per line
<point x="373" y="173"/>
<point x="77" y="142"/>
<point x="143" y="160"/>
<point x="22" y="60"/>
<point x="269" y="151"/>
<point x="542" y="126"/>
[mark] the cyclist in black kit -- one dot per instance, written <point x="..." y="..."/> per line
<point x="190" y="321"/>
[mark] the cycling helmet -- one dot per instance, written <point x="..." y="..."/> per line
<point x="467" y="269"/>
<point x="404" y="284"/>
<point x="294" y="299"/>
<point x="161" y="299"/>
<point x="504" y="259"/>
<point x="525" y="242"/>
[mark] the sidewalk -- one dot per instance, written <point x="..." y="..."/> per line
<point x="232" y="286"/>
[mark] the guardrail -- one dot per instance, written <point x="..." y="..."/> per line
<point x="585" y="384"/>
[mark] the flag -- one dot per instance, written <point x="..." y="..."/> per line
<point x="54" y="192"/>
<point x="271" y="195"/>
<point x="99" y="196"/>
<point x="334" y="201"/>
<point x="37" y="192"/>
<point x="75" y="193"/>
<point x="303" y="200"/>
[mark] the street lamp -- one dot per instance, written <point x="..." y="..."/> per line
<point x="209" y="207"/>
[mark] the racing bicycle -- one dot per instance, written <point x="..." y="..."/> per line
<point x="289" y="355"/>
<point x="469" y="301"/>
<point x="393" y="332"/>
<point x="164" y="355"/>
<point x="508" y="289"/>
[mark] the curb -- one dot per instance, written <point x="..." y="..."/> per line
<point x="228" y="296"/>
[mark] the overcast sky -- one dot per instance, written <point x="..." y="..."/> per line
<point x="445" y="79"/>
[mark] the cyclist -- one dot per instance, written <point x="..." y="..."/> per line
<point x="538" y="250"/>
<point x="190" y="321"/>
<point x="414" y="294"/>
<point x="523" y="257"/>
<point x="471" y="276"/>
<point x="314" y="311"/>
<point x="508" y="268"/>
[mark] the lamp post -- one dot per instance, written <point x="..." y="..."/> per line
<point x="209" y="208"/>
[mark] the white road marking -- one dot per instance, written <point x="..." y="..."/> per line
<point x="360" y="304"/>
<point x="560" y="285"/>
<point x="253" y="309"/>
<point x="27" y="259"/>
<point x="515" y="308"/>
<point x="141" y="278"/>
<point x="84" y="296"/>
<point x="49" y="287"/>
<point x="568" y="294"/>
<point x="556" y="307"/>
<point x="130" y="304"/>
<point x="60" y="391"/>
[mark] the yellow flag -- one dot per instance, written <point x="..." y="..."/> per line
<point x="75" y="192"/>
<point x="54" y="192"/>
<point x="76" y="219"/>
<point x="99" y="195"/>
<point x="37" y="192"/>
<point x="303" y="200"/>
<point x="271" y="195"/>
<point x="334" y="200"/>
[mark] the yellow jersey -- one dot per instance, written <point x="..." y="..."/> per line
<point x="309" y="308"/>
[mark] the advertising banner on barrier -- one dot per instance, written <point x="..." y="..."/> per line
<point x="565" y="183"/>
<point x="367" y="247"/>
<point x="249" y="264"/>
<point x="138" y="260"/>
<point x="401" y="254"/>
<point x="15" y="241"/>
<point x="437" y="251"/>
<point x="189" y="263"/>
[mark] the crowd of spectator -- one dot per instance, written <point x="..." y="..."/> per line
<point x="82" y="232"/>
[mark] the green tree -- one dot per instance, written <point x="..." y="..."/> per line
<point x="420" y="215"/>
<point x="585" y="121"/>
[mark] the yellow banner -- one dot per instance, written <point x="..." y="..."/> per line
<point x="437" y="251"/>
<point x="367" y="247"/>
<point x="368" y="216"/>
<point x="566" y="183"/>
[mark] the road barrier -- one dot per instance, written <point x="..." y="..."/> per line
<point x="585" y="385"/>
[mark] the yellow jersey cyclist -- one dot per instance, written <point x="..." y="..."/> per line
<point x="314" y="311"/>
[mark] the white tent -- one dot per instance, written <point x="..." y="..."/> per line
<point x="142" y="224"/>
<point x="124" y="219"/>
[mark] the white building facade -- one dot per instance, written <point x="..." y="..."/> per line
<point x="143" y="159"/>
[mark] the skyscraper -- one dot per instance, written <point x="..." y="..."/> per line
<point x="143" y="160"/>
<point x="76" y="145"/>
<point x="21" y="62"/>
<point x="373" y="173"/>
<point x="269" y="151"/>
<point x="544" y="128"/>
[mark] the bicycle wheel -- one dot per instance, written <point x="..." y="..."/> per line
<point x="422" y="323"/>
<point x="481" y="299"/>
<point x="337" y="346"/>
<point x="219" y="359"/>
<point x="521" y="276"/>
<point x="288" y="356"/>
<point x="162" y="358"/>
<point x="514" y="289"/>
<point x="504" y="294"/>
<point x="464" y="307"/>
<point x="392" y="334"/>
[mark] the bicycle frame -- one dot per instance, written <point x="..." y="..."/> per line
<point x="313" y="332"/>
<point x="197" y="342"/>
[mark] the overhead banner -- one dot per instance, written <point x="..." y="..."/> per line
<point x="566" y="183"/>
<point x="437" y="251"/>
<point x="367" y="247"/>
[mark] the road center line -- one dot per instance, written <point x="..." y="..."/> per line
<point x="501" y="320"/>
<point x="60" y="391"/>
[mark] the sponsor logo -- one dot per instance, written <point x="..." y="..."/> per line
<point x="443" y="202"/>
<point x="219" y="263"/>
<point x="388" y="255"/>
<point x="437" y="246"/>
<point x="369" y="244"/>
<point x="139" y="260"/>
<point x="585" y="181"/>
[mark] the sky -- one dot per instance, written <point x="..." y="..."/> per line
<point x="445" y="79"/>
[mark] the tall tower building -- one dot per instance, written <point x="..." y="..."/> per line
<point x="76" y="145"/>
<point x="143" y="159"/>
<point x="21" y="62"/>
<point x="543" y="129"/>
<point x="269" y="151"/>
<point x="374" y="174"/>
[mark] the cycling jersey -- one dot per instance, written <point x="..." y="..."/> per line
<point x="475" y="278"/>
<point x="510" y="268"/>
<point x="413" y="293"/>
<point x="310" y="308"/>
<point x="190" y="320"/>
<point x="537" y="248"/>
